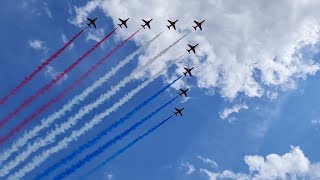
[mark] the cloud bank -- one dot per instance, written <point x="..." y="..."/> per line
<point x="291" y="165"/>
<point x="245" y="47"/>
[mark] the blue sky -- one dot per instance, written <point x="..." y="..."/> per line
<point x="277" y="115"/>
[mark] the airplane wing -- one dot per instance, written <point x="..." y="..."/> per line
<point x="89" y="19"/>
<point x="94" y="24"/>
<point x="126" y="25"/>
<point x="190" y="46"/>
<point x="174" y="27"/>
<point x="195" y="22"/>
<point x="149" y="26"/>
<point x="144" y="21"/>
<point x="200" y="28"/>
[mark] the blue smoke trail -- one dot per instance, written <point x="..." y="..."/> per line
<point x="95" y="153"/>
<point x="122" y="150"/>
<point x="103" y="133"/>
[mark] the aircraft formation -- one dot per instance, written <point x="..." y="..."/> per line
<point x="147" y="23"/>
<point x="173" y="25"/>
<point x="12" y="158"/>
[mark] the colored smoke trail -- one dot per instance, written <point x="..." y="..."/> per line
<point x="103" y="133"/>
<point x="132" y="143"/>
<point x="68" y="107"/>
<point x="37" y="160"/>
<point x="41" y="143"/>
<point x="39" y="68"/>
<point x="102" y="148"/>
<point x="48" y="86"/>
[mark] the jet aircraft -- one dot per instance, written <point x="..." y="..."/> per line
<point x="92" y="22"/>
<point x="198" y="24"/>
<point x="192" y="48"/>
<point x="183" y="92"/>
<point x="172" y="24"/>
<point x="146" y="23"/>
<point x="178" y="111"/>
<point x="188" y="71"/>
<point x="123" y="22"/>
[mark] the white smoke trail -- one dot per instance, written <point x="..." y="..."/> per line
<point x="83" y="111"/>
<point x="37" y="160"/>
<point x="45" y="123"/>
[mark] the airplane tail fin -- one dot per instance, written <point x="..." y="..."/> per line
<point x="120" y="25"/>
<point x="168" y="27"/>
<point x="188" y="50"/>
<point x="143" y="26"/>
<point x="180" y="94"/>
<point x="194" y="27"/>
<point x="185" y="74"/>
<point x="89" y="25"/>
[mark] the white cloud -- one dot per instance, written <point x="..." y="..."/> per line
<point x="65" y="40"/>
<point x="47" y="10"/>
<point x="109" y="176"/>
<point x="189" y="167"/>
<point x="238" y="39"/>
<point x="291" y="165"/>
<point x="208" y="161"/>
<point x="235" y="109"/>
<point x="83" y="12"/>
<point x="96" y="35"/>
<point x="315" y="121"/>
<point x="37" y="45"/>
<point x="52" y="73"/>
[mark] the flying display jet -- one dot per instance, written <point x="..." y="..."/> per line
<point x="198" y="24"/>
<point x="172" y="24"/>
<point x="146" y="23"/>
<point x="192" y="48"/>
<point x="92" y="22"/>
<point x="178" y="111"/>
<point x="123" y="22"/>
<point x="188" y="71"/>
<point x="183" y="92"/>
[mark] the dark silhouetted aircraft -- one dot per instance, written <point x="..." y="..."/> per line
<point x="123" y="22"/>
<point x="146" y="23"/>
<point x="178" y="111"/>
<point x="192" y="48"/>
<point x="198" y="24"/>
<point x="93" y="22"/>
<point x="188" y="71"/>
<point x="184" y="92"/>
<point x="172" y="24"/>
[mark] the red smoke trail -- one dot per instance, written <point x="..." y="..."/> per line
<point x="39" y="68"/>
<point x="63" y="93"/>
<point x="48" y="86"/>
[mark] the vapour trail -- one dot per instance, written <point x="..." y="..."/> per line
<point x="77" y="133"/>
<point x="103" y="133"/>
<point x="27" y="79"/>
<point x="132" y="143"/>
<point x="102" y="148"/>
<point x="48" y="86"/>
<point x="4" y="171"/>
<point x="68" y="107"/>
